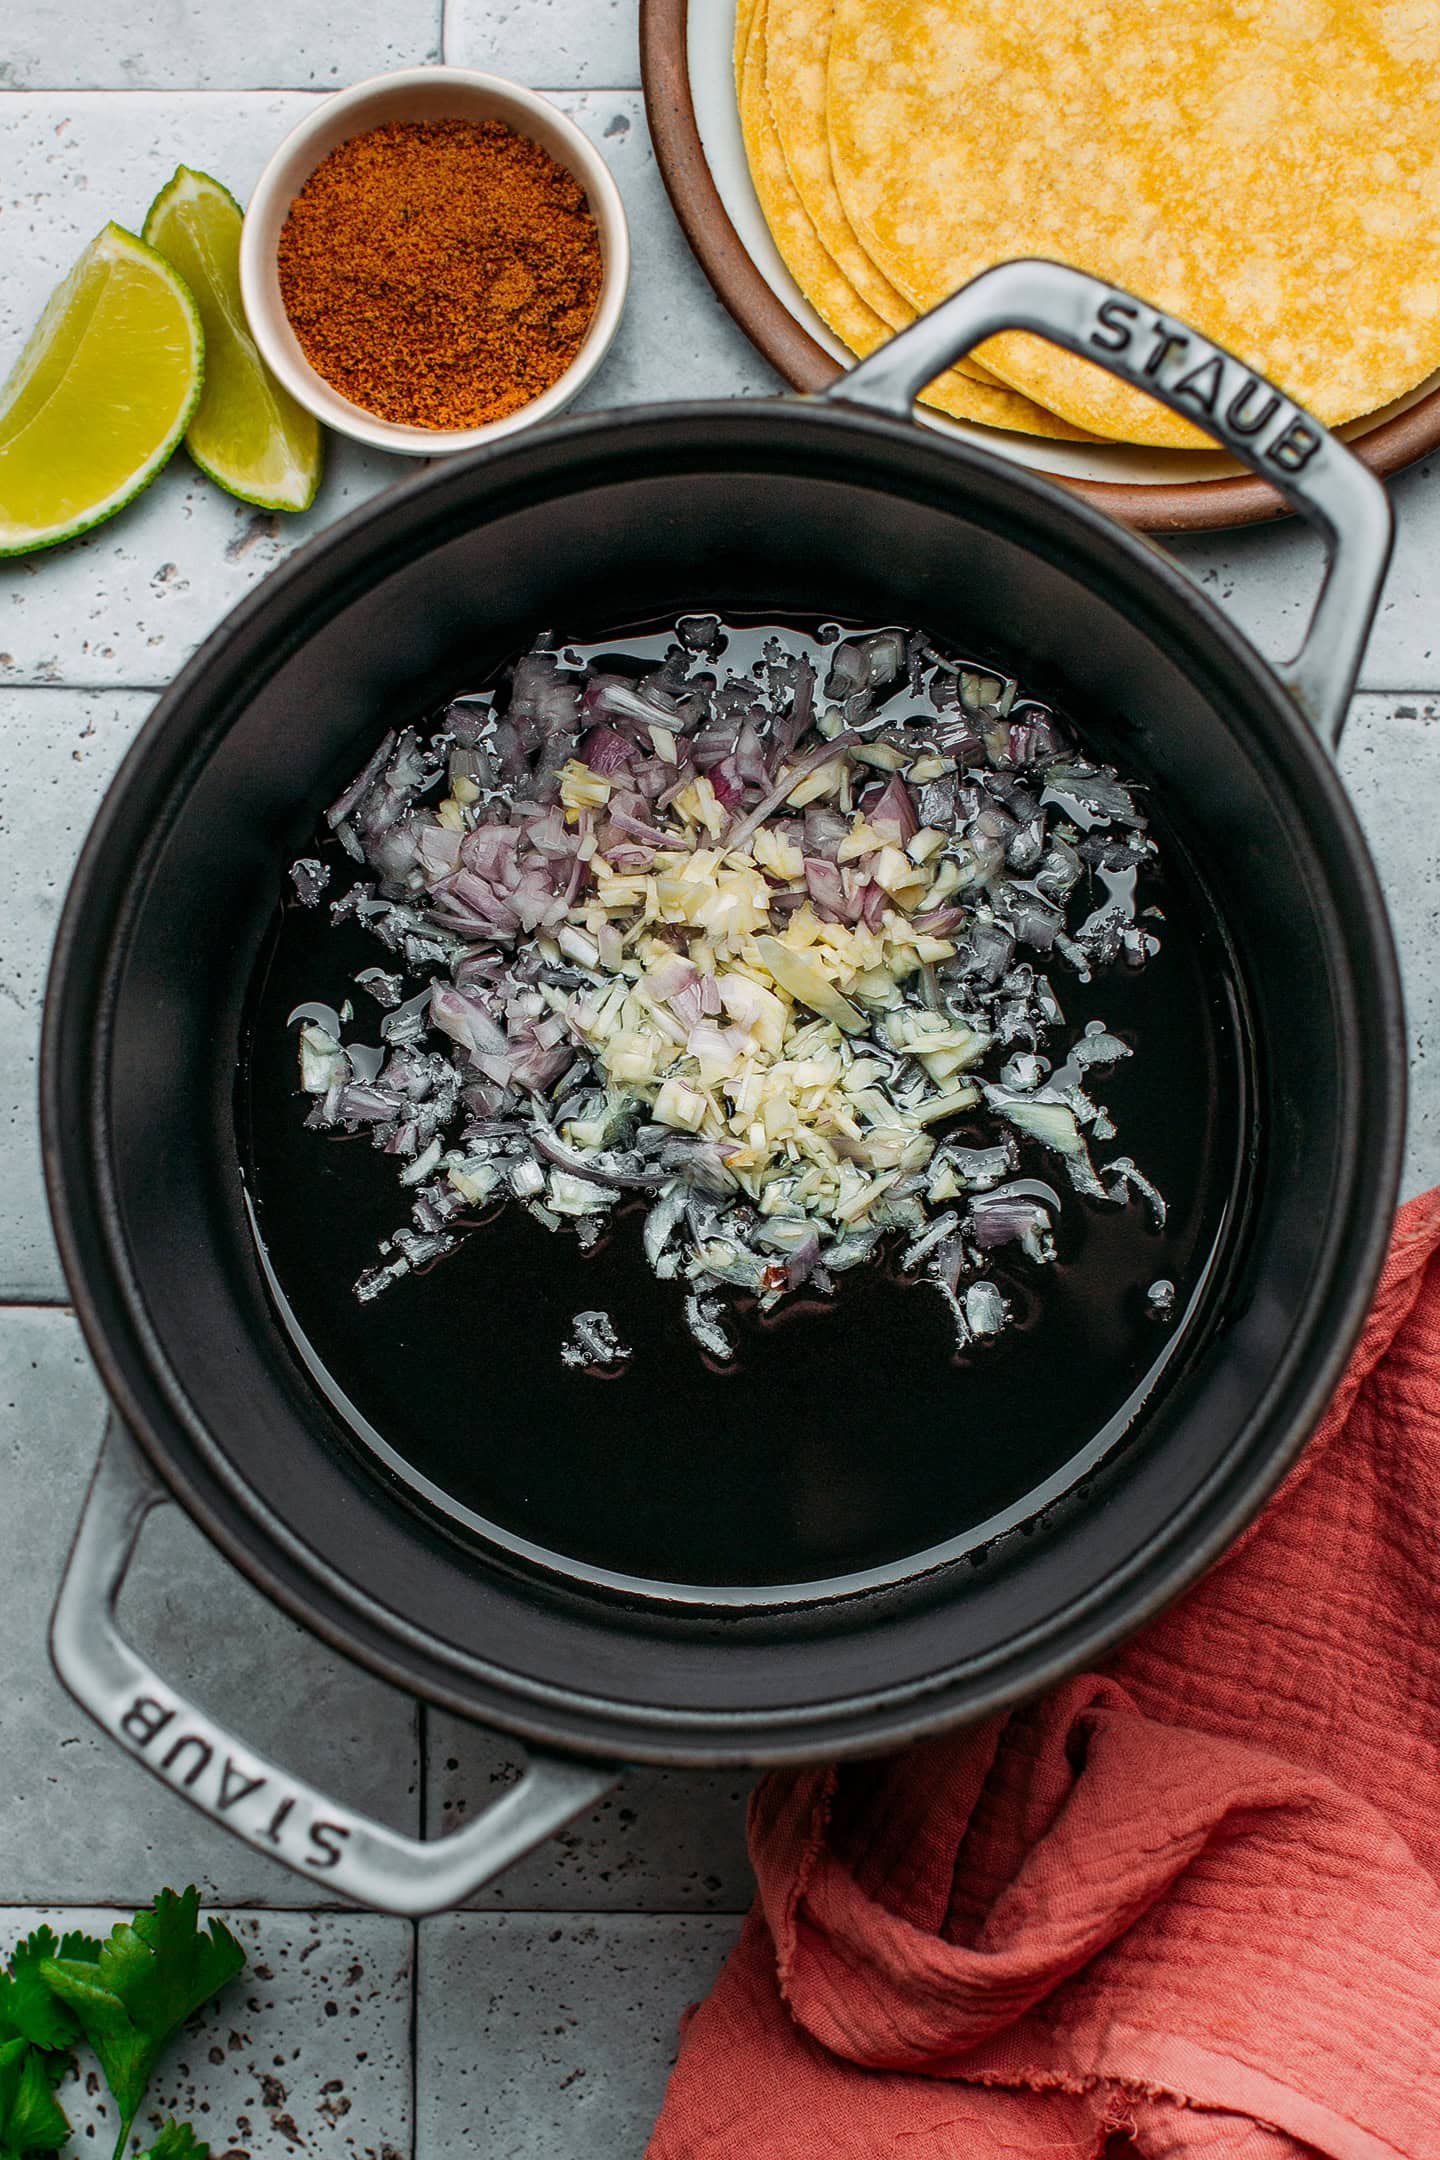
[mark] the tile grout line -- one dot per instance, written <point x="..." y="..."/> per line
<point x="239" y="90"/>
<point x="207" y="1904"/>
<point x="577" y="1913"/>
<point x="422" y="1743"/>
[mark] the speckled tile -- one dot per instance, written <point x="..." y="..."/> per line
<point x="1390" y="758"/>
<point x="60" y="748"/>
<point x="547" y="2019"/>
<point x="78" y="1819"/>
<point x="552" y="44"/>
<point x="1268" y="576"/>
<point x="663" y="1841"/>
<point x="550" y="2037"/>
<point x="148" y="45"/>
<point x="95" y="613"/>
<point x="676" y="340"/>
<point x="126" y="604"/>
<point x="309" y="2050"/>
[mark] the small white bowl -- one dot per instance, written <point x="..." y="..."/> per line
<point x="430" y="93"/>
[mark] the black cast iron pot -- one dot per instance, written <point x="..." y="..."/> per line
<point x="840" y="505"/>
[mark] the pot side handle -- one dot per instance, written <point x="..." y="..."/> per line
<point x="1247" y="415"/>
<point x="342" y="1852"/>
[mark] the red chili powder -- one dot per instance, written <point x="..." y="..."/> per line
<point x="440" y="273"/>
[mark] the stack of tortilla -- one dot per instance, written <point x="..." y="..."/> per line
<point x="1268" y="173"/>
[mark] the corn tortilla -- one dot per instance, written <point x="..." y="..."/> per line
<point x="797" y="56"/>
<point x="744" y="10"/>
<point x="1267" y="172"/>
<point x="834" y="300"/>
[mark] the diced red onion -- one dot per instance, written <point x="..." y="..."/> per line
<point x="636" y="828"/>
<point x="823" y="830"/>
<point x="439" y="850"/>
<point x="725" y="781"/>
<point x="486" y="903"/>
<point x="671" y="974"/>
<point x="815" y="759"/>
<point x="894" y="806"/>
<point x="826" y="887"/>
<point x="605" y="750"/>
<point x="362" y="783"/>
<point x="748" y="758"/>
<point x="873" y="902"/>
<point x="461" y="1015"/>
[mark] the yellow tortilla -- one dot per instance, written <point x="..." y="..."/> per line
<point x="744" y="10"/>
<point x="1268" y="173"/>
<point x="828" y="292"/>
<point x="797" y="57"/>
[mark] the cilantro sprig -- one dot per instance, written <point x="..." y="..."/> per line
<point x="126" y="1997"/>
<point x="31" y="2118"/>
<point x="177" y="2141"/>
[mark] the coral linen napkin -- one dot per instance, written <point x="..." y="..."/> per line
<point x="1189" y="1907"/>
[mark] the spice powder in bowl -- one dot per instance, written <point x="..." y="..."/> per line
<point x="440" y="274"/>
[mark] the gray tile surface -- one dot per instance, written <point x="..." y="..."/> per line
<point x="1268" y="576"/>
<point x="663" y="1841"/>
<point x="553" y="44"/>
<point x="550" y="2036"/>
<point x="60" y="749"/>
<point x="546" y="2016"/>
<point x="79" y="1821"/>
<point x="127" y="604"/>
<point x="159" y="45"/>
<point x="105" y="610"/>
<point x="1391" y="760"/>
<point x="308" y="2051"/>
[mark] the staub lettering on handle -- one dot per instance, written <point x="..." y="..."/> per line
<point x="1222" y="392"/>
<point x="231" y="1787"/>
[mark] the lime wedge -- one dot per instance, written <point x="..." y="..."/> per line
<point x="248" y="433"/>
<point x="100" y="396"/>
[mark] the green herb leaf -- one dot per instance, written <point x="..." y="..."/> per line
<point x="135" y="1994"/>
<point x="177" y="2141"/>
<point x="31" y="2118"/>
<point x="28" y="2006"/>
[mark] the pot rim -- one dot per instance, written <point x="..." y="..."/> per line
<point x="108" y="1300"/>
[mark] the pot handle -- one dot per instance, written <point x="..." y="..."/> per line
<point x="278" y="1814"/>
<point x="1247" y="415"/>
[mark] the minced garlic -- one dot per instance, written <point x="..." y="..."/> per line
<point x="767" y="1071"/>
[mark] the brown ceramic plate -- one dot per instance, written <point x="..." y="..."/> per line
<point x="686" y="62"/>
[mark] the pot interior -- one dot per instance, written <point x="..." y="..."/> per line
<point x="847" y="1441"/>
<point x="1284" y="1076"/>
